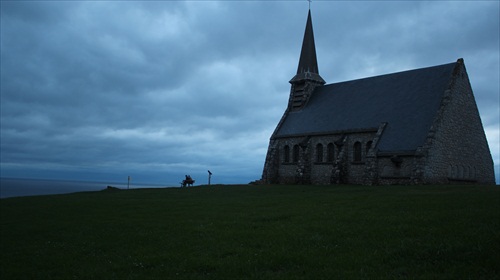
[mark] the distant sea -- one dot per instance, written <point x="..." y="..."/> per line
<point x="12" y="187"/>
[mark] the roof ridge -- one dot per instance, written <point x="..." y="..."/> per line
<point x="395" y="73"/>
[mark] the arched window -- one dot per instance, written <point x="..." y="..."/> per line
<point x="368" y="146"/>
<point x="330" y="152"/>
<point x="357" y="151"/>
<point x="286" y="153"/>
<point x="296" y="153"/>
<point x="319" y="153"/>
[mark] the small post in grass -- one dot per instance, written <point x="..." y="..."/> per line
<point x="209" y="176"/>
<point x="128" y="182"/>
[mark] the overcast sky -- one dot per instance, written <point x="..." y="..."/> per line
<point x="156" y="90"/>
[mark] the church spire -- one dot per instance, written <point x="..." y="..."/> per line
<point x="308" y="64"/>
<point x="308" y="61"/>
<point x="307" y="77"/>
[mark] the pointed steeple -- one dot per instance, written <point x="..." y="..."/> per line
<point x="308" y="61"/>
<point x="307" y="77"/>
<point x="308" y="64"/>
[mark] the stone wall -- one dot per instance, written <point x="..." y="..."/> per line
<point x="457" y="149"/>
<point x="310" y="167"/>
<point x="271" y="165"/>
<point x="356" y="169"/>
<point x="396" y="169"/>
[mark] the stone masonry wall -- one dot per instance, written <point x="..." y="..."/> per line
<point x="311" y="168"/>
<point x="457" y="149"/>
<point x="356" y="169"/>
<point x="396" y="169"/>
<point x="271" y="165"/>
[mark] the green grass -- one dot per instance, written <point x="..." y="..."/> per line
<point x="258" y="232"/>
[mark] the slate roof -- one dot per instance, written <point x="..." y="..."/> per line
<point x="407" y="101"/>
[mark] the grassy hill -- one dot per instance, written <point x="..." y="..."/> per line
<point x="259" y="232"/>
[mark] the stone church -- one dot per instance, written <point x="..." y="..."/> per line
<point x="414" y="127"/>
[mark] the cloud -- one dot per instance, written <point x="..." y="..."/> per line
<point x="102" y="90"/>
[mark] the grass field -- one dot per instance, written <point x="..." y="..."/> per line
<point x="259" y="232"/>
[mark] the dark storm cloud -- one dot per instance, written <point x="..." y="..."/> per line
<point x="160" y="89"/>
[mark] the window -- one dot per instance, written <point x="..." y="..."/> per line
<point x="319" y="153"/>
<point x="296" y="153"/>
<point x="330" y="152"/>
<point x="286" y="153"/>
<point x="357" y="152"/>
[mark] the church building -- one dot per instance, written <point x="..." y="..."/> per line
<point x="419" y="126"/>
